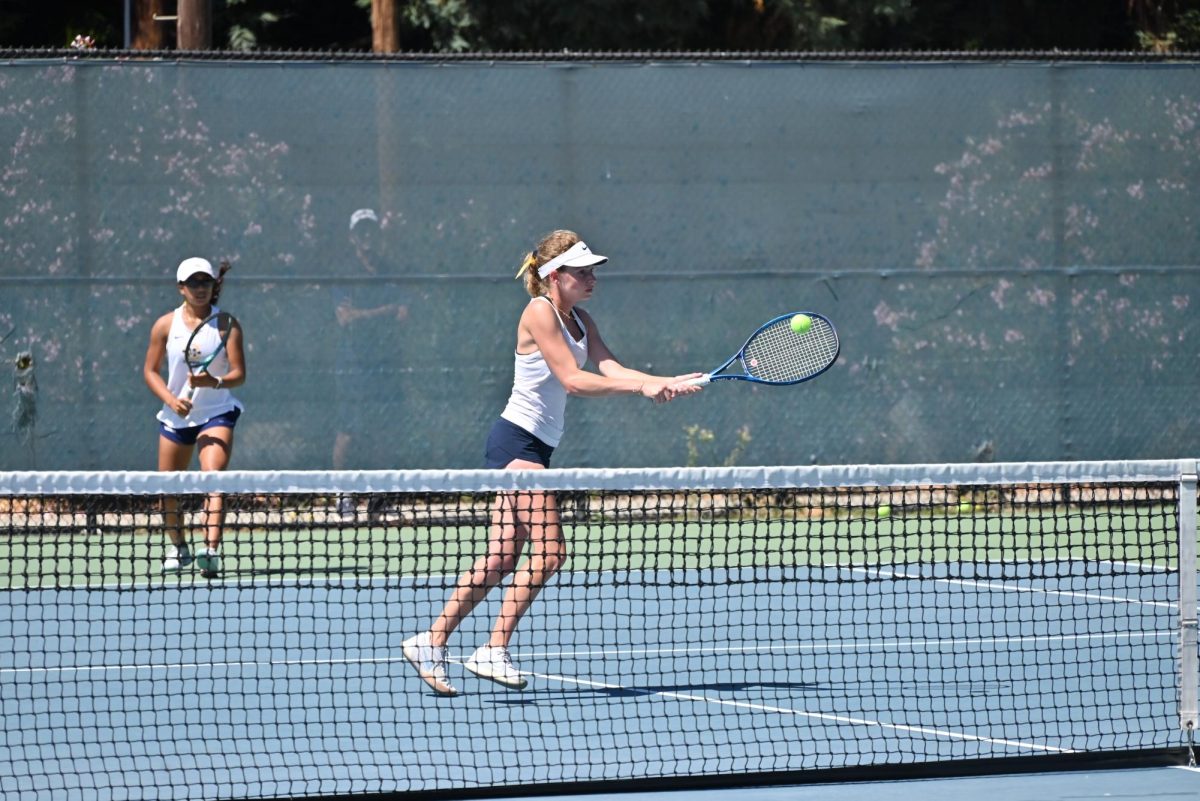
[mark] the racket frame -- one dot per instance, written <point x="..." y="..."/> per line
<point x="740" y="356"/>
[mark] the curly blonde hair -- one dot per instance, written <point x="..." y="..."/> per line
<point x="551" y="245"/>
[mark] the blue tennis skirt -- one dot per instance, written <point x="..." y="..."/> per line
<point x="508" y="441"/>
<point x="189" y="435"/>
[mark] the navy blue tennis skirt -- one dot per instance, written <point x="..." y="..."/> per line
<point x="189" y="435"/>
<point x="508" y="441"/>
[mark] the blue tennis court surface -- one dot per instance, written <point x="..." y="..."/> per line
<point x="269" y="687"/>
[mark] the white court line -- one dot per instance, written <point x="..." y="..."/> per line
<point x="869" y="645"/>
<point x="612" y="652"/>
<point x="944" y="733"/>
<point x="1136" y="565"/>
<point x="994" y="585"/>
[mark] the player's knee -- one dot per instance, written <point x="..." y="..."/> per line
<point x="492" y="570"/>
<point x="553" y="561"/>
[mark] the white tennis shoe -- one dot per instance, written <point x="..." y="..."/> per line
<point x="178" y="557"/>
<point x="430" y="662"/>
<point x="494" y="664"/>
<point x="209" y="562"/>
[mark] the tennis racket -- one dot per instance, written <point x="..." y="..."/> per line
<point x="777" y="354"/>
<point x="198" y="359"/>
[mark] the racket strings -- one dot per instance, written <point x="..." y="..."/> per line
<point x="779" y="354"/>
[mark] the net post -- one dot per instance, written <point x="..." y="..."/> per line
<point x="1188" y="657"/>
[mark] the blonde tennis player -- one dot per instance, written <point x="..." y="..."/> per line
<point x="555" y="338"/>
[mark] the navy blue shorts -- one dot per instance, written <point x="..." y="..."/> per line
<point x="189" y="435"/>
<point x="507" y="441"/>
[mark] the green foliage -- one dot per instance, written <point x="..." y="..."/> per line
<point x="614" y="25"/>
<point x="444" y="26"/>
<point x="1188" y="30"/>
<point x="1164" y="26"/>
<point x="698" y="442"/>
<point x="665" y="25"/>
<point x="245" y="24"/>
<point x="695" y="437"/>
<point x="1181" y="33"/>
<point x="626" y="25"/>
<point x="446" y="23"/>
<point x="848" y="24"/>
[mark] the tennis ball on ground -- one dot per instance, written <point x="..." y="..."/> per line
<point x="801" y="323"/>
<point x="883" y="510"/>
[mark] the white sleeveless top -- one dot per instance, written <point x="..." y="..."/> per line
<point x="207" y="403"/>
<point x="538" y="402"/>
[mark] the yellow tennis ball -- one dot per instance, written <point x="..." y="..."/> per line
<point x="801" y="323"/>
<point x="883" y="510"/>
<point x="966" y="507"/>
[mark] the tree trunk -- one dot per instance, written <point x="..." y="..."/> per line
<point x="385" y="38"/>
<point x="385" y="26"/>
<point x="195" y="25"/>
<point x="148" y="33"/>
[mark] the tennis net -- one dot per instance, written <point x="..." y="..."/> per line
<point x="710" y="626"/>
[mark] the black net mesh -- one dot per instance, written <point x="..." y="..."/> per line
<point x="690" y="633"/>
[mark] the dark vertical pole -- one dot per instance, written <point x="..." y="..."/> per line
<point x="385" y="26"/>
<point x="148" y="31"/>
<point x="195" y="25"/>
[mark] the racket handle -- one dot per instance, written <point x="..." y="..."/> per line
<point x="698" y="382"/>
<point x="188" y="389"/>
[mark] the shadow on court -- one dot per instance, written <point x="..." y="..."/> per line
<point x="558" y="694"/>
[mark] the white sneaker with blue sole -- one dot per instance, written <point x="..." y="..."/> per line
<point x="178" y="557"/>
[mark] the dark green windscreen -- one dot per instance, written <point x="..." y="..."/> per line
<point x="1009" y="252"/>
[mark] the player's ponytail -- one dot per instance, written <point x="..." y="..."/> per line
<point x="529" y="269"/>
<point x="222" y="268"/>
<point x="550" y="246"/>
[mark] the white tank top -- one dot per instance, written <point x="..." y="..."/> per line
<point x="538" y="402"/>
<point x="207" y="403"/>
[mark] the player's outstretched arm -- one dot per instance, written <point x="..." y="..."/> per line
<point x="657" y="388"/>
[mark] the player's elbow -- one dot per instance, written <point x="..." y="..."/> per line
<point x="575" y="384"/>
<point x="609" y="368"/>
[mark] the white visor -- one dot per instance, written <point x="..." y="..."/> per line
<point x="578" y="255"/>
<point x="363" y="214"/>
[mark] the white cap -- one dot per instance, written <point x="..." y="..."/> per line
<point x="189" y="267"/>
<point x="578" y="255"/>
<point x="360" y="215"/>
